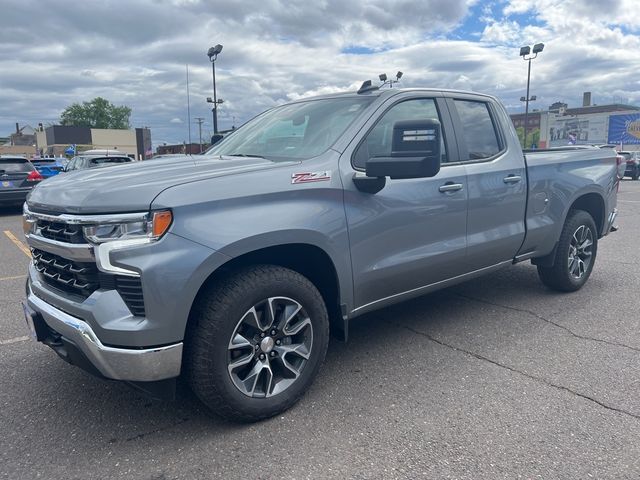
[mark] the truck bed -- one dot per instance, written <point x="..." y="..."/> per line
<point x="556" y="179"/>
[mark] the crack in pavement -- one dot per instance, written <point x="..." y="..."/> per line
<point x="623" y="263"/>
<point x="551" y="322"/>
<point x="180" y="421"/>
<point x="524" y="374"/>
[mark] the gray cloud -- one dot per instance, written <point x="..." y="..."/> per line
<point x="134" y="53"/>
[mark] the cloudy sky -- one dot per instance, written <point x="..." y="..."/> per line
<point x="134" y="52"/>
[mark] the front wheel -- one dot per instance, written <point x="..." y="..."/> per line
<point x="255" y="342"/>
<point x="575" y="255"/>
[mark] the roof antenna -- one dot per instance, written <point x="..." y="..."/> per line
<point x="367" y="86"/>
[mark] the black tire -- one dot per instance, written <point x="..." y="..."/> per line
<point x="636" y="173"/>
<point x="562" y="276"/>
<point x="219" y="313"/>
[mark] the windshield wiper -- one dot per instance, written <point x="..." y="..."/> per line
<point x="243" y="155"/>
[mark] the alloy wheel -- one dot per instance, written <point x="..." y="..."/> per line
<point x="580" y="252"/>
<point x="269" y="347"/>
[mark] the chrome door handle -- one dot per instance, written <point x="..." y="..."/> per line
<point x="512" y="179"/>
<point x="450" y="187"/>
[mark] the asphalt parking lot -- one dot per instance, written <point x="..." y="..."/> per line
<point x="495" y="378"/>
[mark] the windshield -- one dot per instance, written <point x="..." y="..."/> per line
<point x="296" y="131"/>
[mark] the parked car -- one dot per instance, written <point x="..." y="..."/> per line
<point x="632" y="164"/>
<point x="230" y="268"/>
<point x="84" y="161"/>
<point x="49" y="166"/>
<point x="18" y="176"/>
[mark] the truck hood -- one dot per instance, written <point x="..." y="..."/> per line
<point x="132" y="187"/>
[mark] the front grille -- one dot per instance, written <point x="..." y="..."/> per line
<point x="61" y="232"/>
<point x="82" y="279"/>
<point x="71" y="277"/>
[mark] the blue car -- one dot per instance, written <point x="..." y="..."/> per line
<point x="48" y="167"/>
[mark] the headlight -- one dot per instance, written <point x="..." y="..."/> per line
<point x="110" y="237"/>
<point x="151" y="228"/>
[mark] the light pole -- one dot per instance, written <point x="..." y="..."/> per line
<point x="532" y="98"/>
<point x="212" y="53"/>
<point x="528" y="55"/>
<point x="216" y="102"/>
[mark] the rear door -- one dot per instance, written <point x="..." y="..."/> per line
<point x="496" y="179"/>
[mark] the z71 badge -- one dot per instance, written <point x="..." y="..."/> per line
<point x="308" y="177"/>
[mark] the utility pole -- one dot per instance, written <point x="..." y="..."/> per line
<point x="200" y="120"/>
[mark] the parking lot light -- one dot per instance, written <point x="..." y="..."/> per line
<point x="213" y="53"/>
<point x="525" y="53"/>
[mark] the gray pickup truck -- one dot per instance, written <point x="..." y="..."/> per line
<point x="231" y="268"/>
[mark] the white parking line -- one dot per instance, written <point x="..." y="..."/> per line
<point x="14" y="340"/>
<point x="628" y="201"/>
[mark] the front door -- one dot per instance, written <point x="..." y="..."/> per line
<point x="412" y="233"/>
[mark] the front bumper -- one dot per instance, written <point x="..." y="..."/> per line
<point x="128" y="364"/>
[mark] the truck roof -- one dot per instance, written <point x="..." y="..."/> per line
<point x="386" y="92"/>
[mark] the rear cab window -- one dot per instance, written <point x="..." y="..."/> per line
<point x="479" y="134"/>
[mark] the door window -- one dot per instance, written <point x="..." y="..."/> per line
<point x="378" y="141"/>
<point x="478" y="131"/>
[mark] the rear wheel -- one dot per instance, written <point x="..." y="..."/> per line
<point x="636" y="173"/>
<point x="575" y="255"/>
<point x="256" y="342"/>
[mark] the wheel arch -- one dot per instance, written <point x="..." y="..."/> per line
<point x="592" y="203"/>
<point x="307" y="259"/>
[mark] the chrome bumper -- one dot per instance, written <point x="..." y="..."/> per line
<point x="145" y="365"/>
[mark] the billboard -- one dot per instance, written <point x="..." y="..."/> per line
<point x="576" y="129"/>
<point x="625" y="129"/>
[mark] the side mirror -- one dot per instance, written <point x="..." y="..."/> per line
<point x="415" y="151"/>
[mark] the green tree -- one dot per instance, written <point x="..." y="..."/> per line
<point x="98" y="113"/>
<point x="533" y="137"/>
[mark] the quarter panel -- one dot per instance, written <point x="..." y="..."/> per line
<point x="556" y="180"/>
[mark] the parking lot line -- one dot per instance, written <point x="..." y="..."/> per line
<point x="14" y="277"/>
<point x="18" y="243"/>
